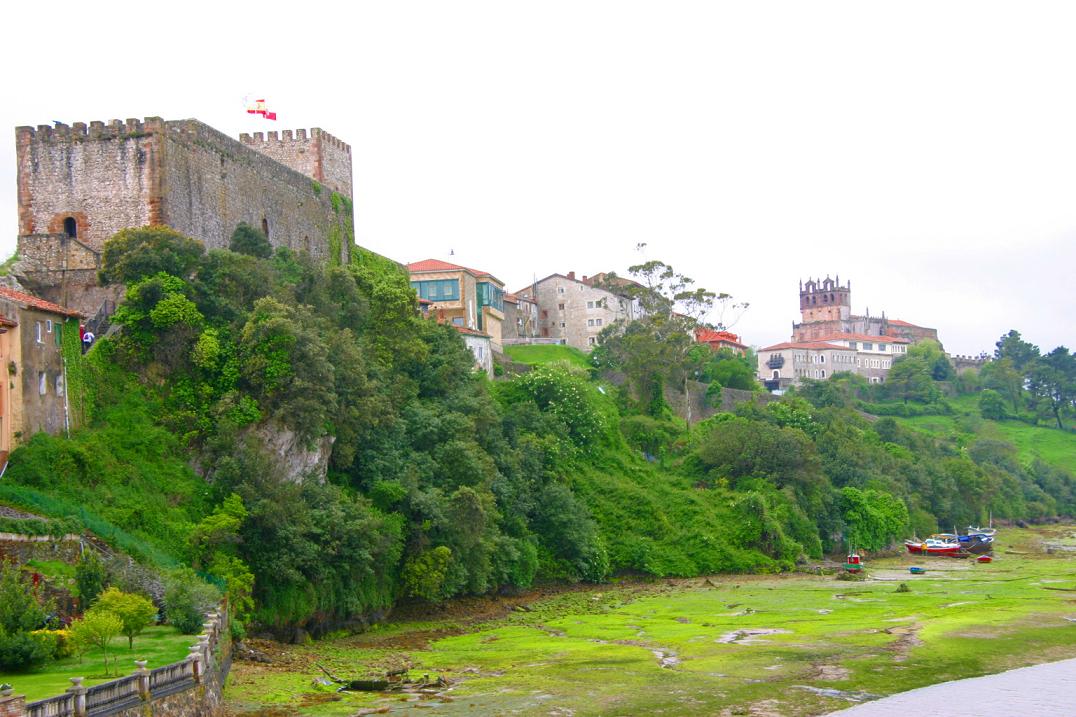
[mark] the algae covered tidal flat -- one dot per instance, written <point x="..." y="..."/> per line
<point x="753" y="645"/>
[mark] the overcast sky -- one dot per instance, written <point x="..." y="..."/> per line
<point x="926" y="151"/>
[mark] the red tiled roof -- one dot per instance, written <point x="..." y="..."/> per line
<point x="471" y="332"/>
<point x="711" y="336"/>
<point x="32" y="302"/>
<point x="816" y="345"/>
<point x="4" y="321"/>
<point x="898" y="322"/>
<point x="438" y="265"/>
<point x="864" y="337"/>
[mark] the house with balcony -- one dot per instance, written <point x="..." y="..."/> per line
<point x="465" y="298"/>
<point x="786" y="364"/>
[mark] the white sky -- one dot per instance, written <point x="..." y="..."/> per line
<point x="926" y="151"/>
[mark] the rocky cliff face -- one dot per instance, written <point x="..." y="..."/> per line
<point x="294" y="458"/>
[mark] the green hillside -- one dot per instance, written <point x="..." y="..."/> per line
<point x="542" y="354"/>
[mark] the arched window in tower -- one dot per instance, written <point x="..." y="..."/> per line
<point x="776" y="374"/>
<point x="71" y="227"/>
<point x="265" y="227"/>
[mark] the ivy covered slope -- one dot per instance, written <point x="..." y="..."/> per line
<point x="297" y="432"/>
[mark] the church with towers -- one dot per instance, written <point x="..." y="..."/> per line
<point x="826" y="310"/>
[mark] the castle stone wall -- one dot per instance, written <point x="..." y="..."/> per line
<point x="211" y="182"/>
<point x="103" y="176"/>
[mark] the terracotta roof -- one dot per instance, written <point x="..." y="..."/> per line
<point x="471" y="332"/>
<point x="32" y="302"/>
<point x="864" y="337"/>
<point x="4" y="321"/>
<point x="898" y="322"/>
<point x="712" y="336"/>
<point x="816" y="345"/>
<point x="438" y="265"/>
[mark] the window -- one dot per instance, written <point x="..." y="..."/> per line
<point x="42" y="383"/>
<point x="868" y="346"/>
<point x="490" y="295"/>
<point x="882" y="347"/>
<point x="48" y="326"/>
<point x="591" y="340"/>
<point x="438" y="289"/>
<point x="590" y="304"/>
<point x="597" y="322"/>
<point x="59" y="384"/>
<point x="37" y="331"/>
<point x="71" y="227"/>
<point x="823" y="373"/>
<point x="562" y="324"/>
<point x="851" y="344"/>
<point x="590" y="322"/>
<point x="560" y="307"/>
<point x="457" y="321"/>
<point x="821" y="358"/>
<point x="265" y="227"/>
<point x="560" y="289"/>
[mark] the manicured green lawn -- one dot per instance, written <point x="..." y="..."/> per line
<point x="540" y="354"/>
<point x="601" y="651"/>
<point x="158" y="645"/>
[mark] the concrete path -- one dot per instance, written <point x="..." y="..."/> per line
<point x="1041" y="691"/>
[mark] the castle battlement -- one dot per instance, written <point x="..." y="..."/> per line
<point x="97" y="129"/>
<point x="300" y="135"/>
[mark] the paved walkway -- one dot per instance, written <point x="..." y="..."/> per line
<point x="1041" y="691"/>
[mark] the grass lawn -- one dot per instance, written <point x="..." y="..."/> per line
<point x="790" y="645"/>
<point x="1044" y="442"/>
<point x="541" y="353"/>
<point x="158" y="645"/>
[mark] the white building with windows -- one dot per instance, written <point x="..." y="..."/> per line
<point x="784" y="365"/>
<point x="575" y="310"/>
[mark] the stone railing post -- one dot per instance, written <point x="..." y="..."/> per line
<point x="195" y="658"/>
<point x="12" y="705"/>
<point x="143" y="680"/>
<point x="79" y="693"/>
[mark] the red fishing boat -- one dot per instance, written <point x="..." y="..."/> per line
<point x="933" y="546"/>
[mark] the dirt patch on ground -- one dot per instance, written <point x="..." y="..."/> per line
<point x="830" y="673"/>
<point x="907" y="638"/>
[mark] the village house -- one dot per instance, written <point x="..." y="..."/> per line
<point x="466" y="298"/>
<point x="783" y="365"/>
<point x="34" y="398"/>
<point x="576" y="310"/>
<point x="520" y="319"/>
<point x="718" y="340"/>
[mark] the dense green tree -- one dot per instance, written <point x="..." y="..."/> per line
<point x="1002" y="376"/>
<point x="248" y="240"/>
<point x="1021" y="353"/>
<point x="991" y="404"/>
<point x="1052" y="383"/>
<point x="135" y="612"/>
<point x="910" y="379"/>
<point x="134" y="254"/>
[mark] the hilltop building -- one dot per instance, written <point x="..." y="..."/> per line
<point x="78" y="185"/>
<point x="520" y="319"/>
<point x="830" y="339"/>
<point x="718" y="340"/>
<point x="576" y="310"/>
<point x="470" y="299"/>
<point x="826" y="309"/>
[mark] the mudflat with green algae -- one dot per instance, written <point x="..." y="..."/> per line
<point x="729" y="645"/>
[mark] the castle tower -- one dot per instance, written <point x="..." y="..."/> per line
<point x="825" y="300"/>
<point x="318" y="155"/>
<point x="80" y="184"/>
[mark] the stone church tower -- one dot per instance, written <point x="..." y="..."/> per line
<point x="825" y="300"/>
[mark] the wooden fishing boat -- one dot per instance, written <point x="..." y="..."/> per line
<point x="933" y="546"/>
<point x="854" y="563"/>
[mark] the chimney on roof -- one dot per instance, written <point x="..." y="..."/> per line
<point x="571" y="275"/>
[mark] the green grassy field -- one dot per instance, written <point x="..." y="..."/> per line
<point x="540" y="354"/>
<point x="1044" y="442"/>
<point x="159" y="646"/>
<point x="795" y="645"/>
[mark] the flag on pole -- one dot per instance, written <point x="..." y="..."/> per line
<point x="258" y="107"/>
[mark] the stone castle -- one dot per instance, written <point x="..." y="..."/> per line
<point x="826" y="310"/>
<point x="80" y="184"/>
